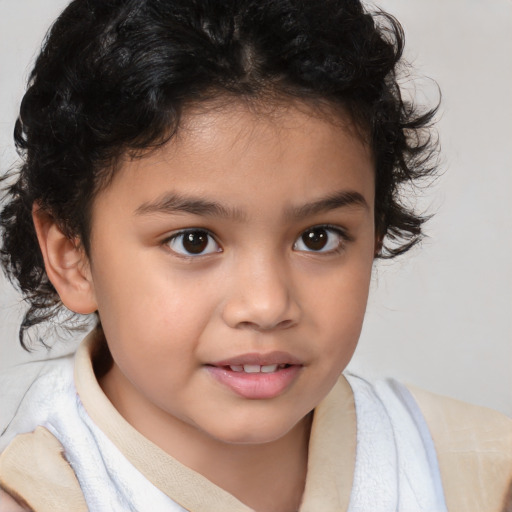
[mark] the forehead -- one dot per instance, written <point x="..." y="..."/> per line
<point x="285" y="152"/>
<point x="222" y="122"/>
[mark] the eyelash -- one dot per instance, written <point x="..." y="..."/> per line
<point x="209" y="241"/>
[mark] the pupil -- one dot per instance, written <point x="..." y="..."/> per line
<point x="195" y="242"/>
<point x="315" y="239"/>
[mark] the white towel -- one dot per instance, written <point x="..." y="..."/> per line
<point x="396" y="464"/>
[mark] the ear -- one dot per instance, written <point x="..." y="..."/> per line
<point x="66" y="263"/>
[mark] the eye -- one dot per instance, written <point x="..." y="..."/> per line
<point x="320" y="239"/>
<point x="193" y="242"/>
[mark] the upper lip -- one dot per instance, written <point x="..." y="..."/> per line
<point x="255" y="358"/>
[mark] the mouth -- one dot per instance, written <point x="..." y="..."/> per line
<point x="256" y="376"/>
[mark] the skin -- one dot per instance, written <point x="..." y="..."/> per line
<point x="256" y="288"/>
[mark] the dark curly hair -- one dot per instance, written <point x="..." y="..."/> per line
<point x="114" y="76"/>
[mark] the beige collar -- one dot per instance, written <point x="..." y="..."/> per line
<point x="331" y="449"/>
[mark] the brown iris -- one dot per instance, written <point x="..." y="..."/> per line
<point x="195" y="242"/>
<point x="315" y="239"/>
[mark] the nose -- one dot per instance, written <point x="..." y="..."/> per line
<point x="262" y="297"/>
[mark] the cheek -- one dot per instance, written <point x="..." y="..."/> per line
<point x="341" y="306"/>
<point x="151" y="316"/>
<point x="143" y="290"/>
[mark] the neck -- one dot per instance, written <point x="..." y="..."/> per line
<point x="267" y="477"/>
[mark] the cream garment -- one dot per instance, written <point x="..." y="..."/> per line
<point x="474" y="447"/>
<point x="382" y="477"/>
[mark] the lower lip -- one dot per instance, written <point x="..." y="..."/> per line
<point x="256" y="386"/>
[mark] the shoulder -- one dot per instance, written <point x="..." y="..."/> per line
<point x="474" y="451"/>
<point x="34" y="468"/>
<point x="465" y="428"/>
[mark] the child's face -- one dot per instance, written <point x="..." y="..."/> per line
<point x="247" y="240"/>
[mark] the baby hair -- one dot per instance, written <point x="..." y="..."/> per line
<point x="114" y="78"/>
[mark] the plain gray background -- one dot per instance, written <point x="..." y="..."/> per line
<point x="440" y="317"/>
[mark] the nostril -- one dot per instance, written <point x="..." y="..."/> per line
<point x="247" y="325"/>
<point x="284" y="324"/>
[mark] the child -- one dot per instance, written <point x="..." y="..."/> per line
<point x="213" y="180"/>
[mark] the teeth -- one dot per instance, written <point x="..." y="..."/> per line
<point x="251" y="368"/>
<point x="256" y="368"/>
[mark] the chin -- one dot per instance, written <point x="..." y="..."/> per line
<point x="255" y="431"/>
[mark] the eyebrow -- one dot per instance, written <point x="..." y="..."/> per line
<point x="341" y="199"/>
<point x="175" y="203"/>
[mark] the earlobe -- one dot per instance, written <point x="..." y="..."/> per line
<point x="66" y="263"/>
